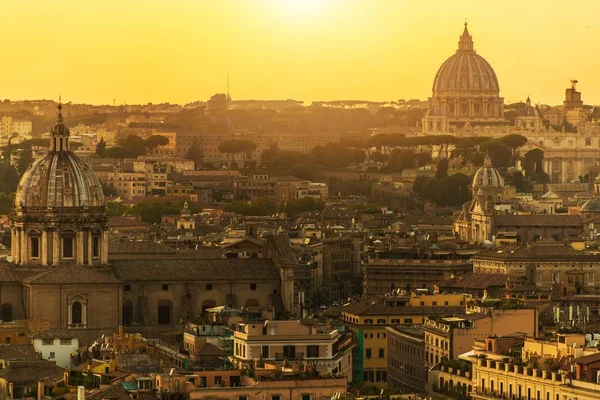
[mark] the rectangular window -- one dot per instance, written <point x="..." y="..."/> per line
<point x="408" y="320"/>
<point x="381" y="353"/>
<point x="312" y="351"/>
<point x="165" y="287"/>
<point x="265" y="351"/>
<point x="127" y="288"/>
<point x="67" y="247"/>
<point x="65" y="341"/>
<point x="35" y="247"/>
<point x="52" y="355"/>
<point x="242" y="397"/>
<point x="275" y="397"/>
<point x="381" y="376"/>
<point x="253" y="286"/>
<point x="96" y="247"/>
<point x="367" y="353"/>
<point x="305" y="397"/>
<point x="47" y="342"/>
<point x="209" y="286"/>
<point x="369" y="376"/>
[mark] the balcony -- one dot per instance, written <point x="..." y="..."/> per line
<point x="289" y="357"/>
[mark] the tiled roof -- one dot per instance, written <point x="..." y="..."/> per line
<point x="72" y="274"/>
<point x="195" y="269"/>
<point x="592" y="358"/>
<point x="537" y="220"/>
<point x="474" y="281"/>
<point x="54" y="334"/>
<point x="138" y="247"/>
<point x="536" y="251"/>
<point x="377" y="307"/>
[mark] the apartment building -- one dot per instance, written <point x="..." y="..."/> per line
<point x="286" y="342"/>
<point x="369" y="319"/>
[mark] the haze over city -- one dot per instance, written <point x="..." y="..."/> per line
<point x="182" y="51"/>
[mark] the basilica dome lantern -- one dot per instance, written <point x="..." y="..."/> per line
<point x="59" y="215"/>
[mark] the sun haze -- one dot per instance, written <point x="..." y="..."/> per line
<point x="181" y="51"/>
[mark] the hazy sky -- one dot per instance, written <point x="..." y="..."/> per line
<point x="182" y="50"/>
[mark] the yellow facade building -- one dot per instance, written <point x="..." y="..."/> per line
<point x="369" y="318"/>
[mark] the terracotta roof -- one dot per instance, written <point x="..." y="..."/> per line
<point x="537" y="220"/>
<point x="474" y="281"/>
<point x="138" y="247"/>
<point x="196" y="269"/>
<point x="8" y="352"/>
<point x="7" y="273"/>
<point x="537" y="251"/>
<point x="72" y="274"/>
<point x="55" y="334"/>
<point x="378" y="307"/>
<point x="120" y="221"/>
<point x="592" y="358"/>
<point x="113" y="392"/>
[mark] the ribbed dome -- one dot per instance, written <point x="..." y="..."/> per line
<point x="591" y="206"/>
<point x="487" y="176"/>
<point x="528" y="110"/>
<point x="465" y="71"/>
<point x="59" y="178"/>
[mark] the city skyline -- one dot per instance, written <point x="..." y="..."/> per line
<point x="307" y="50"/>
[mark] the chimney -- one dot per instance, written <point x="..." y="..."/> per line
<point x="40" y="389"/>
<point x="80" y="393"/>
<point x="120" y="331"/>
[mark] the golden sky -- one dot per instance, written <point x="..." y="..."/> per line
<point x="139" y="51"/>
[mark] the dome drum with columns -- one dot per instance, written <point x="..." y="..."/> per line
<point x="59" y="214"/>
<point x="466" y="89"/>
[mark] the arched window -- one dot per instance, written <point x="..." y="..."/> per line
<point x="7" y="312"/>
<point x="77" y="313"/>
<point x="127" y="312"/>
<point x="165" y="308"/>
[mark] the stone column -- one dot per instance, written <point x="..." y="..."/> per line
<point x="456" y="108"/>
<point x="79" y="248"/>
<point x="16" y="246"/>
<point x="90" y="249"/>
<point x="104" y="247"/>
<point x="44" y="247"/>
<point x="485" y="108"/>
<point x="55" y="248"/>
<point x="24" y="257"/>
<point x="471" y="109"/>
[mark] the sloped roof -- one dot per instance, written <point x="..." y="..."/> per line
<point x="138" y="247"/>
<point x="195" y="269"/>
<point x="535" y="252"/>
<point x="475" y="281"/>
<point x="378" y="307"/>
<point x="72" y="274"/>
<point x="537" y="220"/>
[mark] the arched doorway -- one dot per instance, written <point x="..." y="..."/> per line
<point x="206" y="304"/>
<point x="165" y="308"/>
<point x="7" y="312"/>
<point x="127" y="312"/>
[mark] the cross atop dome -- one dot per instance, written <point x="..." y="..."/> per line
<point x="59" y="133"/>
<point x="466" y="40"/>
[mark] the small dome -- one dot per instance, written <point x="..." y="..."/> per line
<point x="528" y="110"/>
<point x="487" y="176"/>
<point x="59" y="178"/>
<point x="591" y="206"/>
<point x="465" y="71"/>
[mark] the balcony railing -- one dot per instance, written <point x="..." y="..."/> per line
<point x="282" y="356"/>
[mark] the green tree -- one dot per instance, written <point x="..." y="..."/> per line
<point x="9" y="178"/>
<point x="302" y="205"/>
<point x="442" y="169"/>
<point x="533" y="161"/>
<point x="152" y="210"/>
<point x="518" y="181"/>
<point x="194" y="153"/>
<point x="101" y="148"/>
<point x="258" y="207"/>
<point x="154" y="142"/>
<point x="452" y="190"/>
<point x="514" y="142"/>
<point x="25" y="159"/>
